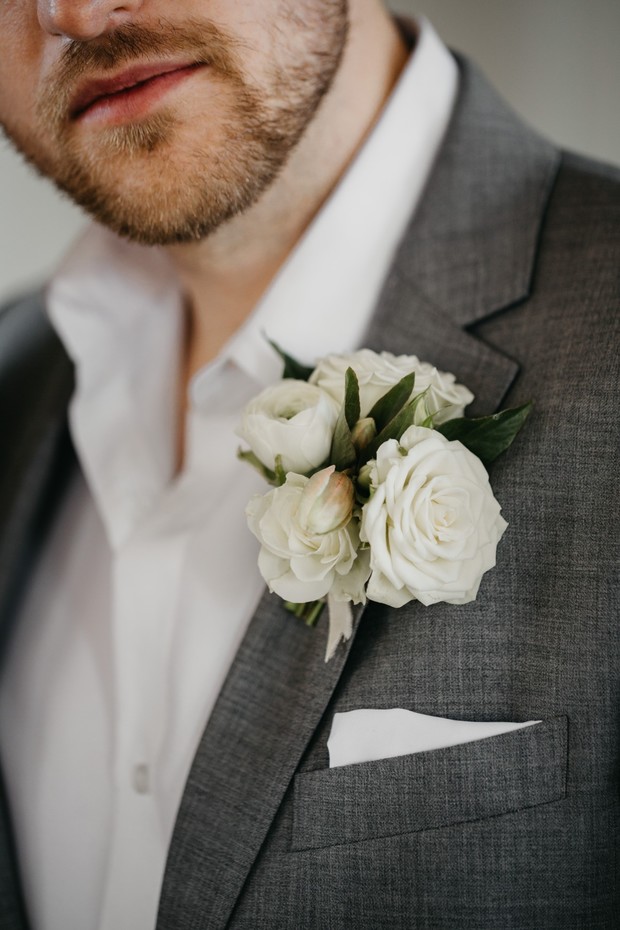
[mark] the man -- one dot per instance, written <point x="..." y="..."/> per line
<point x="309" y="170"/>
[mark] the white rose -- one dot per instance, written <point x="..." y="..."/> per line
<point x="432" y="521"/>
<point x="377" y="373"/>
<point x="293" y="419"/>
<point x="309" y="537"/>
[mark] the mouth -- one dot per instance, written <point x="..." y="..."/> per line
<point x="131" y="93"/>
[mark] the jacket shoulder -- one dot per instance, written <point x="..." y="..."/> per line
<point x="590" y="170"/>
<point x="586" y="197"/>
<point x="580" y="240"/>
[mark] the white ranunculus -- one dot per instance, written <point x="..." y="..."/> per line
<point x="293" y="419"/>
<point x="432" y="521"/>
<point x="309" y="537"/>
<point x="378" y="372"/>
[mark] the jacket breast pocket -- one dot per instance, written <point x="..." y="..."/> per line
<point x="432" y="789"/>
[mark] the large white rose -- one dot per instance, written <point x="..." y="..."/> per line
<point x="309" y="538"/>
<point x="293" y="419"/>
<point x="377" y="373"/>
<point x="432" y="521"/>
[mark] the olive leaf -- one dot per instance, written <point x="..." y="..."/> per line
<point x="487" y="437"/>
<point x="343" y="453"/>
<point x="392" y="403"/>
<point x="292" y="368"/>
<point x="394" y="429"/>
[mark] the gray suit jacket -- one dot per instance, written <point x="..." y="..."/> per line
<point x="507" y="276"/>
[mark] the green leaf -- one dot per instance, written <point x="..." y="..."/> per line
<point x="246" y="456"/>
<point x="394" y="429"/>
<point x="342" y="453"/>
<point x="392" y="403"/>
<point x="292" y="368"/>
<point x="487" y="437"/>
<point x="351" y="397"/>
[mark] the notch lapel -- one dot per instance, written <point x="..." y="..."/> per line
<point x="411" y="324"/>
<point x="470" y="249"/>
<point x="270" y="705"/>
<point x="463" y="258"/>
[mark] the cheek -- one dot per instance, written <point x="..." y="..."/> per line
<point x="21" y="54"/>
<point x="263" y="30"/>
<point x="17" y="105"/>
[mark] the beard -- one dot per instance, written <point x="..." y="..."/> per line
<point x="178" y="174"/>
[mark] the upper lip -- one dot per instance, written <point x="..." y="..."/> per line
<point x="93" y="90"/>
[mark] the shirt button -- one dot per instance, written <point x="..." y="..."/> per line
<point x="141" y="779"/>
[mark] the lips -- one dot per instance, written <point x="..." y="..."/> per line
<point x="132" y="79"/>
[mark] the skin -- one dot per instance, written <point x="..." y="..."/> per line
<point x="231" y="165"/>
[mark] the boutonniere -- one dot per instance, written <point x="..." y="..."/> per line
<point x="380" y="490"/>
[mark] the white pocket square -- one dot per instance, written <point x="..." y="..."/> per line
<point x="368" y="735"/>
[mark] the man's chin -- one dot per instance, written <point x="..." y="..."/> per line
<point x="136" y="139"/>
<point x="140" y="201"/>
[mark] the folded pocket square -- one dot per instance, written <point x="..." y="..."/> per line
<point x="368" y="735"/>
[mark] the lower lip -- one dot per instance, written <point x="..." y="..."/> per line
<point x="135" y="102"/>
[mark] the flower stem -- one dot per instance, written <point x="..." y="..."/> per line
<point x="309" y="612"/>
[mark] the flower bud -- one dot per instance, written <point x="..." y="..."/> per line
<point x="363" y="432"/>
<point x="327" y="501"/>
<point x="364" y="478"/>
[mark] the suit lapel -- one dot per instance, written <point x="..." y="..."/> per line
<point x="464" y="257"/>
<point x="470" y="250"/>
<point x="36" y="380"/>
<point x="409" y="323"/>
<point x="267" y="711"/>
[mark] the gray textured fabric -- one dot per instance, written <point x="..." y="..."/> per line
<point x="508" y="276"/>
<point x="431" y="789"/>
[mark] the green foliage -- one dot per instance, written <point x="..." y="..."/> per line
<point x="487" y="437"/>
<point x="394" y="429"/>
<point x="392" y="403"/>
<point x="292" y="368"/>
<point x="343" y="454"/>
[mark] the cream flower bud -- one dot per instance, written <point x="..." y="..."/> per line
<point x="327" y="502"/>
<point x="364" y="478"/>
<point x="302" y="564"/>
<point x="363" y="432"/>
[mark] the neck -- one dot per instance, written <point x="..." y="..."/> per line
<point x="224" y="275"/>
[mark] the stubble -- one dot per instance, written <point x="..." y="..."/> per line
<point x="159" y="180"/>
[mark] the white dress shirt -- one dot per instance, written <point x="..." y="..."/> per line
<point x="148" y="581"/>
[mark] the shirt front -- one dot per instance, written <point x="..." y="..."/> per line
<point x="149" y="579"/>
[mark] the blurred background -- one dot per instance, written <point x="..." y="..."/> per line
<point x="556" y="61"/>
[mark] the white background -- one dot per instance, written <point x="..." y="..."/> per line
<point x="556" y="61"/>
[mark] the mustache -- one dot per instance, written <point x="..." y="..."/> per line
<point x="202" y="41"/>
